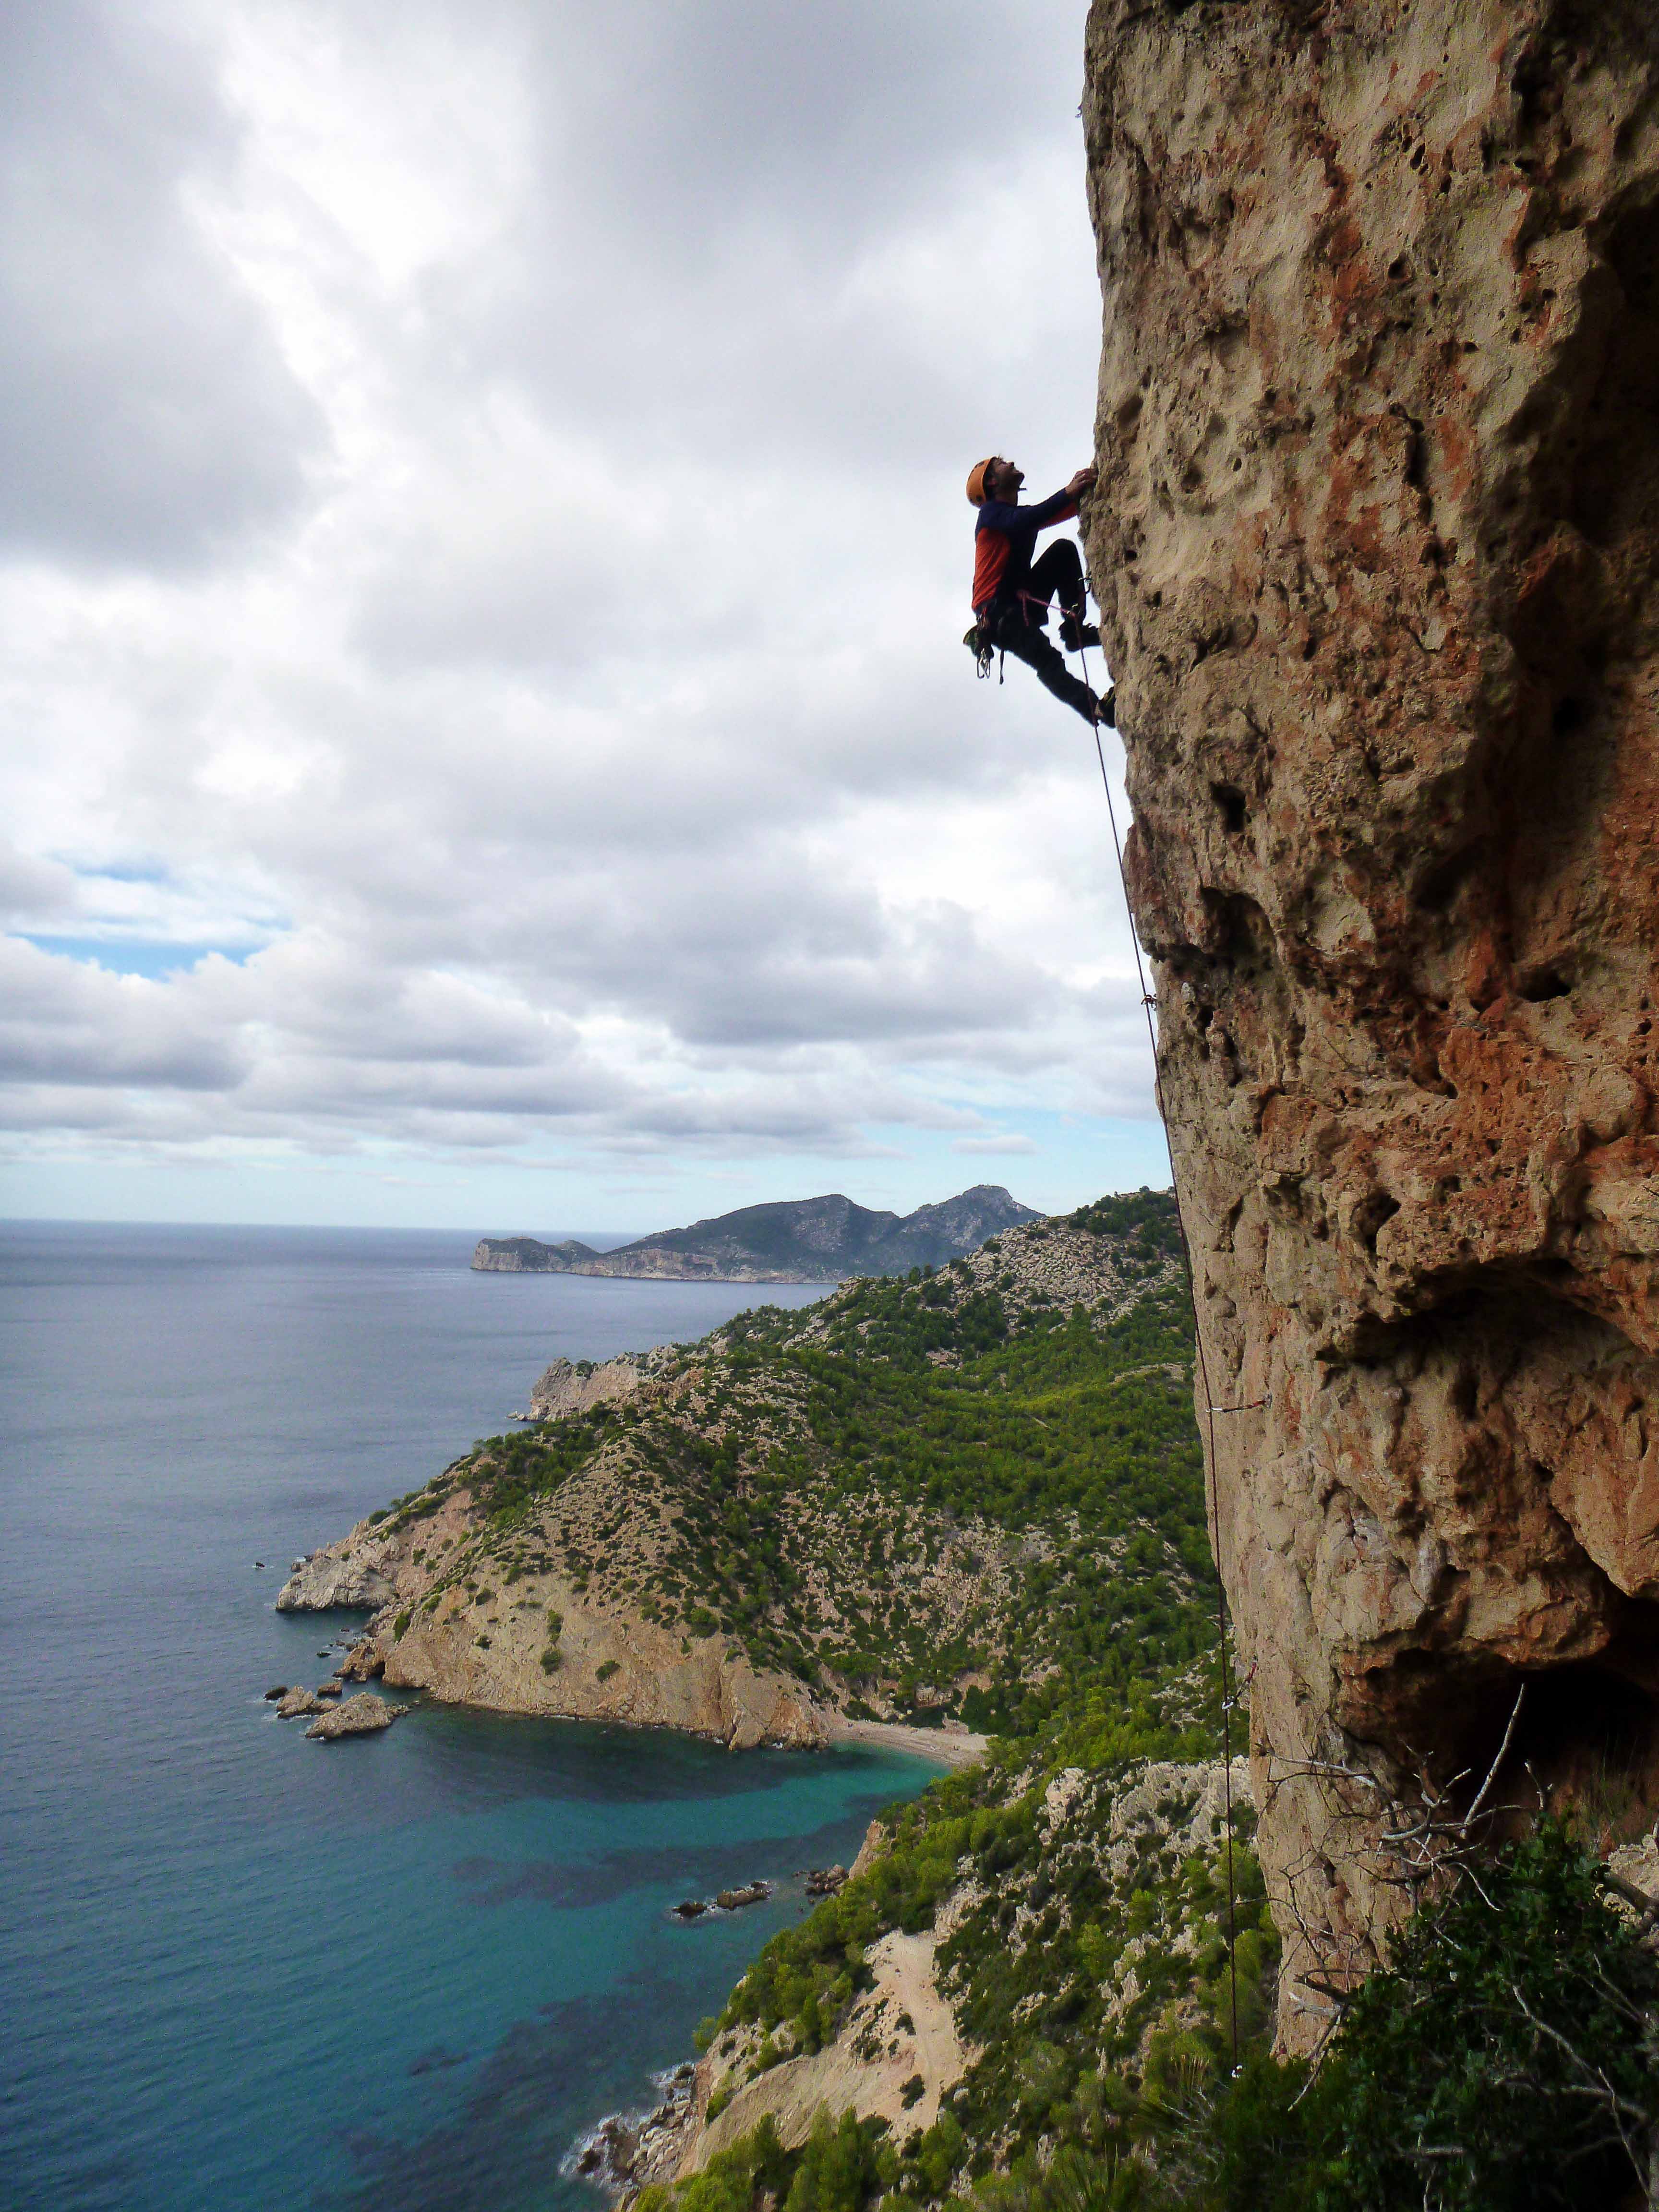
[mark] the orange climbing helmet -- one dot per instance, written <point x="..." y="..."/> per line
<point x="976" y="480"/>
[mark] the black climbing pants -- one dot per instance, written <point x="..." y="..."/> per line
<point x="1015" y="623"/>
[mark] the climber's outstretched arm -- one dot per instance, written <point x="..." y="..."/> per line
<point x="999" y="515"/>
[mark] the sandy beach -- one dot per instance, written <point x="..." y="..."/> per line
<point x="952" y="1749"/>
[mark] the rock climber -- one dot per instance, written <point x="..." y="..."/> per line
<point x="1013" y="591"/>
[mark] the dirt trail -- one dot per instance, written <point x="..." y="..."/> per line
<point x="898" y="2040"/>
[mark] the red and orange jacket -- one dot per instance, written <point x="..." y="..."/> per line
<point x="1004" y="539"/>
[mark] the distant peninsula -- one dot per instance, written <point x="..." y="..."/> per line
<point x="801" y="1240"/>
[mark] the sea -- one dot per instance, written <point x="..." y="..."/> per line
<point x="240" y="1969"/>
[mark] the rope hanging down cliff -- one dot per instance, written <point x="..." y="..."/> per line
<point x="1210" y="1409"/>
<point x="1012" y="593"/>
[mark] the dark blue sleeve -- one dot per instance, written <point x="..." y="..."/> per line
<point x="997" y="514"/>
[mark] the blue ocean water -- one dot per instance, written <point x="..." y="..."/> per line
<point x="238" y="1969"/>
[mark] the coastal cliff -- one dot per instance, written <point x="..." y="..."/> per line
<point x="1375" y="540"/>
<point x="516" y="1628"/>
<point x="923" y="1511"/>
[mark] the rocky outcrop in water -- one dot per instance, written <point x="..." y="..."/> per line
<point x="635" y="1559"/>
<point x="539" y="1644"/>
<point x="363" y="1715"/>
<point x="1375" y="540"/>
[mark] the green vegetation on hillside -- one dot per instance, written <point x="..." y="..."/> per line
<point x="927" y="1481"/>
<point x="966" y="1492"/>
<point x="1507" y="2060"/>
<point x="1096" y="1962"/>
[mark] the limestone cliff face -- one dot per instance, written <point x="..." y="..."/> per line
<point x="1376" y="540"/>
<point x="561" y="1390"/>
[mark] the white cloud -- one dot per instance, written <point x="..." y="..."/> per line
<point x="530" y="646"/>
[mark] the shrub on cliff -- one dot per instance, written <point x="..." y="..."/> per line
<point x="1509" y="2056"/>
<point x="756" y="2165"/>
<point x="843" y="2165"/>
<point x="1506" y="2060"/>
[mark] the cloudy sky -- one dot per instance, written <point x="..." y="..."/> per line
<point x="483" y="565"/>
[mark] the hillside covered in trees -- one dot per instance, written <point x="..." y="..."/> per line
<point x="974" y="1497"/>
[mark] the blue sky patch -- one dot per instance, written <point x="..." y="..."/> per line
<point x="137" y="955"/>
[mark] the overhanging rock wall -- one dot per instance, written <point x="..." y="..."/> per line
<point x="1377" y="542"/>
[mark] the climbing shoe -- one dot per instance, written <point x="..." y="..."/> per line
<point x="1074" y="636"/>
<point x="1106" y="710"/>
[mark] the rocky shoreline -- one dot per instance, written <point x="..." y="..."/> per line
<point x="626" y="2152"/>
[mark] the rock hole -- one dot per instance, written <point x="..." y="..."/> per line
<point x="1231" y="801"/>
<point x="1586" y="1746"/>
<point x="1569" y="715"/>
<point x="1544" y="984"/>
<point x="1591" y="1737"/>
<point x="1378" y="1209"/>
<point x="1442" y="883"/>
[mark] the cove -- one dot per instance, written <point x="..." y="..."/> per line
<point x="242" y="1969"/>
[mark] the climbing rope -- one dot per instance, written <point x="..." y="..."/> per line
<point x="1225" y="1664"/>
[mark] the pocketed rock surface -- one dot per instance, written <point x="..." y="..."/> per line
<point x="1375" y="540"/>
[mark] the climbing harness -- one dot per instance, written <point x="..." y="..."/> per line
<point x="981" y="641"/>
<point x="1210" y="1409"/>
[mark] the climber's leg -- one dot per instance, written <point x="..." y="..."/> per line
<point x="1057" y="574"/>
<point x="1029" y="643"/>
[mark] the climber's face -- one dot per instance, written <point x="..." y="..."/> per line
<point x="1004" y="480"/>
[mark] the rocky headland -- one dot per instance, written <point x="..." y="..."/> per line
<point x="808" y="1240"/>
<point x="1375" y="541"/>
<point x="683" y="1538"/>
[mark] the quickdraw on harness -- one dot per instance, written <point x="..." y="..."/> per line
<point x="984" y="649"/>
<point x="983" y="646"/>
<point x="980" y="643"/>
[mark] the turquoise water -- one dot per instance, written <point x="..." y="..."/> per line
<point x="241" y="1969"/>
